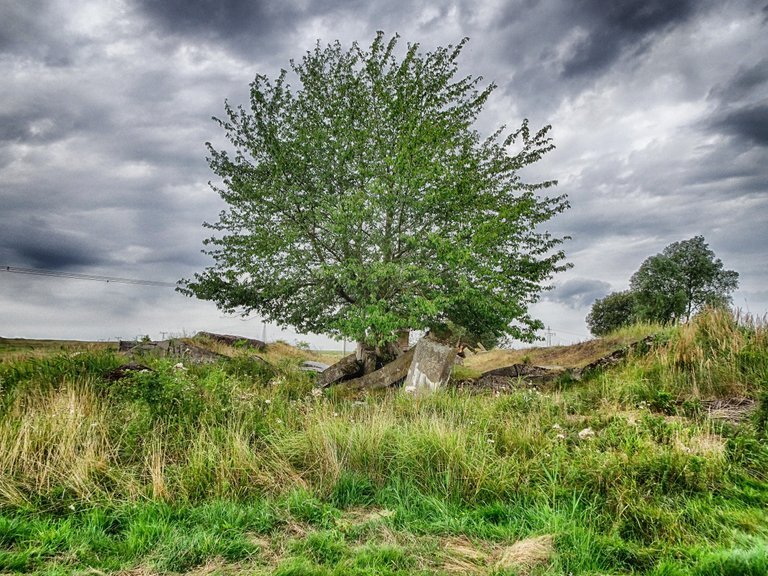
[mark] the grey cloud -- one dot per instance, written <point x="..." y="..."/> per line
<point x="743" y="84"/>
<point x="35" y="245"/>
<point x="28" y="126"/>
<point x="217" y="17"/>
<point x="578" y="292"/>
<point x="31" y="29"/>
<point x="749" y="123"/>
<point x="619" y="27"/>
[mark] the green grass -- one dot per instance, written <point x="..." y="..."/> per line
<point x="232" y="468"/>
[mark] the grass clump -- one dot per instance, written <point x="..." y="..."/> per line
<point x="236" y="468"/>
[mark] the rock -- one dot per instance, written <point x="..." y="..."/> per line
<point x="346" y="368"/>
<point x="431" y="366"/>
<point x="235" y="341"/>
<point x="618" y="355"/>
<point x="387" y="375"/>
<point x="174" y="349"/>
<point x="508" y="376"/>
<point x="126" y="345"/>
<point x="310" y="366"/>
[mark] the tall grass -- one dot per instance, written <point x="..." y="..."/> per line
<point x="718" y="354"/>
<point x="601" y="464"/>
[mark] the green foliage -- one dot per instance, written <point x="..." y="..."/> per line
<point x="611" y="313"/>
<point x="681" y="280"/>
<point x="363" y="202"/>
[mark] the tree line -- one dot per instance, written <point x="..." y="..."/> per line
<point x="668" y="287"/>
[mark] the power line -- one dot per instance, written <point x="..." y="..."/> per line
<point x="91" y="277"/>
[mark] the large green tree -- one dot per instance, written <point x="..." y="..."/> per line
<point x="362" y="201"/>
<point x="684" y="278"/>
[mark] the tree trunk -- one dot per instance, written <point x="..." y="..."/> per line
<point x="403" y="339"/>
<point x="366" y="357"/>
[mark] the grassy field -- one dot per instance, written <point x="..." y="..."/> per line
<point x="657" y="466"/>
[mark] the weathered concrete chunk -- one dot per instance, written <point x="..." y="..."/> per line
<point x="173" y="349"/>
<point x="345" y="368"/>
<point x="311" y="366"/>
<point x="232" y="340"/>
<point x="387" y="375"/>
<point x="431" y="366"/>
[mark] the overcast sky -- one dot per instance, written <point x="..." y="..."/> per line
<point x="659" y="111"/>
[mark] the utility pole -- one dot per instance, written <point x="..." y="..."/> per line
<point x="549" y="334"/>
<point x="264" y="332"/>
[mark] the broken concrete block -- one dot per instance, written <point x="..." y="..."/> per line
<point x="431" y="366"/>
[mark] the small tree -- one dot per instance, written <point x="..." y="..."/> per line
<point x="681" y="280"/>
<point x="612" y="312"/>
<point x="363" y="203"/>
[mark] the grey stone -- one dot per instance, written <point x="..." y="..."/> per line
<point x="431" y="366"/>
<point x="310" y="366"/>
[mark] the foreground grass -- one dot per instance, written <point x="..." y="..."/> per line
<point x="238" y="468"/>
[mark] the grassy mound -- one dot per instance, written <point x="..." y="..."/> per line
<point x="238" y="468"/>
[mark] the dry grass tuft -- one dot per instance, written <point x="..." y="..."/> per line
<point x="461" y="556"/>
<point x="525" y="555"/>
<point x="358" y="516"/>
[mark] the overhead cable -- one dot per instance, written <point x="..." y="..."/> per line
<point x="91" y="277"/>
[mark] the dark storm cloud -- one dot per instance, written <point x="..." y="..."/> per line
<point x="220" y="18"/>
<point x="578" y="292"/>
<point x="749" y="123"/>
<point x="35" y="245"/>
<point x="620" y="27"/>
<point x="246" y="25"/>
<point x="267" y="26"/>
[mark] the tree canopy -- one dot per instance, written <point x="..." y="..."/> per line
<point x="363" y="201"/>
<point x="668" y="287"/>
<point x="611" y="313"/>
<point x="680" y="281"/>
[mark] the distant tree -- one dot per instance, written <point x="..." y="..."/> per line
<point x="681" y="280"/>
<point x="612" y="312"/>
<point x="363" y="203"/>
